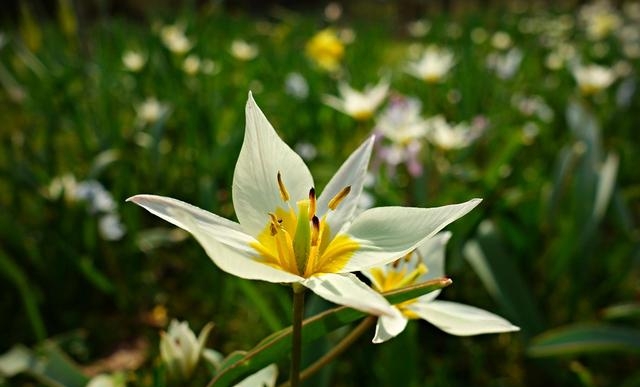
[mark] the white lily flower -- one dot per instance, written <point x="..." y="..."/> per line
<point x="133" y="60"/>
<point x="243" y="50"/>
<point x="174" y="38"/>
<point x="424" y="264"/>
<point x="505" y="65"/>
<point x="285" y="235"/>
<point x="433" y="66"/>
<point x="151" y="110"/>
<point x="266" y="377"/>
<point x="359" y="105"/>
<point x="593" y="78"/>
<point x="181" y="350"/>
<point x="401" y="121"/>
<point x="447" y="136"/>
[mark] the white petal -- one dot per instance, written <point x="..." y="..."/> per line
<point x="432" y="253"/>
<point x="387" y="233"/>
<point x="161" y="205"/>
<point x="235" y="255"/>
<point x="255" y="184"/>
<point x="266" y="377"/>
<point x="351" y="173"/>
<point x="461" y="320"/>
<point x="224" y="243"/>
<point x="348" y="290"/>
<point x="389" y="327"/>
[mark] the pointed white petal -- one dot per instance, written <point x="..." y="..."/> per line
<point x="348" y="290"/>
<point x="387" y="233"/>
<point x="389" y="327"/>
<point x="351" y="173"/>
<point x="266" y="377"/>
<point x="231" y="251"/>
<point x="225" y="244"/>
<point x="255" y="184"/>
<point x="461" y="320"/>
<point x="334" y="102"/>
<point x="161" y="205"/>
<point x="432" y="253"/>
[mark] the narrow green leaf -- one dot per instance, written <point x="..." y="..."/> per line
<point x="627" y="310"/>
<point x="606" y="183"/>
<point x="240" y="364"/>
<point x="261" y="304"/>
<point x="19" y="279"/>
<point x="47" y="363"/>
<point x="580" y="339"/>
<point x="502" y="278"/>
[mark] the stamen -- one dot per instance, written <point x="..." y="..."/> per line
<point x="407" y="257"/>
<point x="333" y="203"/>
<point x="274" y="224"/>
<point x="315" y="230"/>
<point x="413" y="276"/>
<point x="283" y="190"/>
<point x="312" y="202"/>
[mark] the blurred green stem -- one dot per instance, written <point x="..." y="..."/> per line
<point x="296" y="336"/>
<point x="336" y="351"/>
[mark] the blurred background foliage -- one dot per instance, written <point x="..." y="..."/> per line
<point x="98" y="104"/>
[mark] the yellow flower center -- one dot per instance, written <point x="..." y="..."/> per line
<point x="299" y="242"/>
<point x="396" y="277"/>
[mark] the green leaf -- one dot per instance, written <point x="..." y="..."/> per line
<point x="580" y="339"/>
<point x="627" y="310"/>
<point x="502" y="278"/>
<point x="241" y="364"/>
<point x="15" y="274"/>
<point x="47" y="363"/>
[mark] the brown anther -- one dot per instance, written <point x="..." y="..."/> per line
<point x="312" y="202"/>
<point x="333" y="203"/>
<point x="315" y="230"/>
<point x="283" y="190"/>
<point x="274" y="223"/>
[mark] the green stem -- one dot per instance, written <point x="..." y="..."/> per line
<point x="296" y="335"/>
<point x="336" y="351"/>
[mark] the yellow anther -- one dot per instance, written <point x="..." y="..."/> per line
<point x="312" y="202"/>
<point x="283" y="190"/>
<point x="333" y="203"/>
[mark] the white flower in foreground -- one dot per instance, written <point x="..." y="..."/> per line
<point x="447" y="137"/>
<point x="287" y="235"/>
<point x="593" y="78"/>
<point x="424" y="264"/>
<point x="180" y="350"/>
<point x="359" y="105"/>
<point x="133" y="60"/>
<point x="433" y="66"/>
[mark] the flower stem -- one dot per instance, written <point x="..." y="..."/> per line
<point x="335" y="351"/>
<point x="296" y="335"/>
